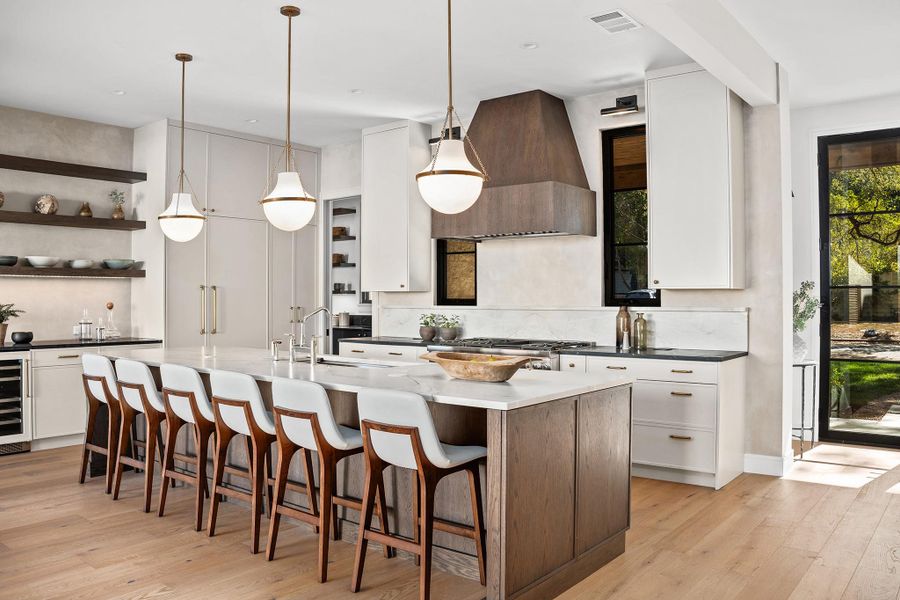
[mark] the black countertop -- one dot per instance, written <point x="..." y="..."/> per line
<point x="73" y="343"/>
<point x="605" y="351"/>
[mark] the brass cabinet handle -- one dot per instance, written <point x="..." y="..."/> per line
<point x="685" y="371"/>
<point x="360" y="351"/>
<point x="26" y="371"/>
<point x="571" y="365"/>
<point x="215" y="309"/>
<point x="203" y="308"/>
<point x="395" y="353"/>
<point x="681" y="393"/>
<point x="69" y="356"/>
<point x="683" y="438"/>
<point x="403" y="285"/>
<point x="616" y="368"/>
<point x="292" y="314"/>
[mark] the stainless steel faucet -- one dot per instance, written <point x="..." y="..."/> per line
<point x="303" y="327"/>
<point x="292" y="346"/>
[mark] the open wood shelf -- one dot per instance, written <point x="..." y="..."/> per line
<point x="344" y="265"/>
<point x="70" y="272"/>
<point x="51" y="167"/>
<point x="343" y="238"/>
<point x="343" y="211"/>
<point x="27" y="218"/>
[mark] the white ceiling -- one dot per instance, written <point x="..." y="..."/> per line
<point x="833" y="50"/>
<point x="65" y="57"/>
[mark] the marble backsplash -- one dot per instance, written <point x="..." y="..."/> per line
<point x="702" y="329"/>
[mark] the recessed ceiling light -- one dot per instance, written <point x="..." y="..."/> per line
<point x="252" y="121"/>
<point x="529" y="46"/>
<point x="356" y="91"/>
<point x="118" y="92"/>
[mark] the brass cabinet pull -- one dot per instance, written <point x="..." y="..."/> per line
<point x="26" y="371"/>
<point x="681" y="393"/>
<point x="616" y="368"/>
<point x="571" y="365"/>
<point x="203" y="308"/>
<point x="68" y="356"/>
<point x="360" y="351"/>
<point x="215" y="309"/>
<point x="682" y="371"/>
<point x="395" y="353"/>
<point x="684" y="438"/>
<point x="292" y="314"/>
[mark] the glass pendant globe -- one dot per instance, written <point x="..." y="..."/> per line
<point x="288" y="207"/>
<point x="181" y="222"/>
<point x="452" y="184"/>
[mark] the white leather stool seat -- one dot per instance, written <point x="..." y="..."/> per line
<point x="137" y="373"/>
<point x="99" y="366"/>
<point x="229" y="385"/>
<point x="309" y="397"/>
<point x="185" y="379"/>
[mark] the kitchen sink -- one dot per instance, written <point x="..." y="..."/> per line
<point x="333" y="361"/>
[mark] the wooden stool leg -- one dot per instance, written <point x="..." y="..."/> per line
<point x="125" y="423"/>
<point x="427" y="530"/>
<point x="326" y="506"/>
<point x="417" y="513"/>
<point x="310" y="483"/>
<point x="477" y="517"/>
<point x="285" y="453"/>
<point x="223" y="438"/>
<point x="153" y="422"/>
<point x="267" y="490"/>
<point x="202" y="431"/>
<point x="381" y="509"/>
<point x="93" y="408"/>
<point x="173" y="424"/>
<point x="256" y="495"/>
<point x="112" y="439"/>
<point x="365" y="523"/>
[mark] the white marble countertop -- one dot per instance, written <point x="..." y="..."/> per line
<point x="525" y="388"/>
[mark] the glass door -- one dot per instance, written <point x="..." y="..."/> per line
<point x="859" y="188"/>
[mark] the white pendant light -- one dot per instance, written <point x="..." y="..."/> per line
<point x="288" y="206"/>
<point x="451" y="183"/>
<point x="181" y="221"/>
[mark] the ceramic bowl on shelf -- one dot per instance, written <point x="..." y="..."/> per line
<point x="22" y="337"/>
<point x="117" y="264"/>
<point x="82" y="263"/>
<point x="42" y="262"/>
<point x="8" y="261"/>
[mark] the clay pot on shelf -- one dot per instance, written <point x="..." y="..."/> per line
<point x="3" y="327"/>
<point x="85" y="210"/>
<point x="118" y="212"/>
<point x="2" y="199"/>
<point x="427" y="333"/>
<point x="46" y="205"/>
<point x="448" y="333"/>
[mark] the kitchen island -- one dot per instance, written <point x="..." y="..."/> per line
<point x="557" y="482"/>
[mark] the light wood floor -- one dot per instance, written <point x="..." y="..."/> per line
<point x="833" y="531"/>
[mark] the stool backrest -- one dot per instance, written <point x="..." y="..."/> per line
<point x="229" y="385"/>
<point x="186" y="380"/>
<point x="134" y="372"/>
<point x="400" y="408"/>
<point x="305" y="396"/>
<point x="99" y="366"/>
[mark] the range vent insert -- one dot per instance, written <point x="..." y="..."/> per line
<point x="615" y="21"/>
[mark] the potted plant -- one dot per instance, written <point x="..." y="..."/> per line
<point x="117" y="197"/>
<point x="7" y="312"/>
<point x="427" y="323"/>
<point x="448" y="327"/>
<point x="805" y="307"/>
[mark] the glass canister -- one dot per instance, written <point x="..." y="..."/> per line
<point x="639" y="339"/>
<point x="623" y="324"/>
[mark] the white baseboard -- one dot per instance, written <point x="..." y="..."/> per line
<point x="764" y="464"/>
<point x="57" y="442"/>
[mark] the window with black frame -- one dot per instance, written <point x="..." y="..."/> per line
<point x="456" y="273"/>
<point x="625" y="218"/>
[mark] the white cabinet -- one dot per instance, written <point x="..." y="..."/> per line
<point x="382" y="351"/>
<point x="688" y="415"/>
<point x="695" y="181"/>
<point x="238" y="172"/>
<point x="395" y="221"/>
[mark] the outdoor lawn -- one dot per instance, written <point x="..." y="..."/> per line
<point x="871" y="387"/>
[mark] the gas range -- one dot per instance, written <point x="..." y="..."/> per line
<point x="545" y="352"/>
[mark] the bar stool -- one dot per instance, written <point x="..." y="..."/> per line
<point x="239" y="410"/>
<point x="185" y="403"/>
<point x="305" y="422"/>
<point x="99" y="381"/>
<point x="138" y="393"/>
<point x="398" y="429"/>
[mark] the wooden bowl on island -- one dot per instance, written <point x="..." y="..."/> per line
<point x="477" y="367"/>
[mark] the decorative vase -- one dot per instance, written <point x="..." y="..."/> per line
<point x="3" y="327"/>
<point x="447" y="333"/>
<point x="426" y="333"/>
<point x="85" y="210"/>
<point x="800" y="348"/>
<point x="118" y="212"/>
<point x="46" y="205"/>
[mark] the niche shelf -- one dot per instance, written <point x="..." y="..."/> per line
<point x="52" y="167"/>
<point x="27" y="218"/>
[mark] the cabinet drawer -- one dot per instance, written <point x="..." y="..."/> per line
<point x="572" y="363"/>
<point x="674" y="447"/>
<point x="358" y="350"/>
<point x="656" y="370"/>
<point x="678" y="404"/>
<point x="58" y="400"/>
<point x="59" y="357"/>
<point x="381" y="352"/>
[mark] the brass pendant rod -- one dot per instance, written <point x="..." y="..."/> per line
<point x="181" y="167"/>
<point x="449" y="59"/>
<point x="287" y="136"/>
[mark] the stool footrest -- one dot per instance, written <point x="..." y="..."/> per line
<point x="297" y="513"/>
<point x="96" y="448"/>
<point x="132" y="462"/>
<point x="459" y="529"/>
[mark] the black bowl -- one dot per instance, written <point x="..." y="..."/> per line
<point x="22" y="337"/>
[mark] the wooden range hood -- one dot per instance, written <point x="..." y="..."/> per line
<point x="537" y="185"/>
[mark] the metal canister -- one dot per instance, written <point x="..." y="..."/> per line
<point x="344" y="319"/>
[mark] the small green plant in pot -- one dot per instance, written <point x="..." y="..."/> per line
<point x="805" y="308"/>
<point x="7" y="312"/>
<point x="448" y="327"/>
<point x="427" y="326"/>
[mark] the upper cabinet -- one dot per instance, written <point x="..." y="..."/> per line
<point x="695" y="181"/>
<point x="237" y="177"/>
<point x="395" y="244"/>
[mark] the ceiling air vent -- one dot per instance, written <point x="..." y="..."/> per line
<point x="615" y="21"/>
